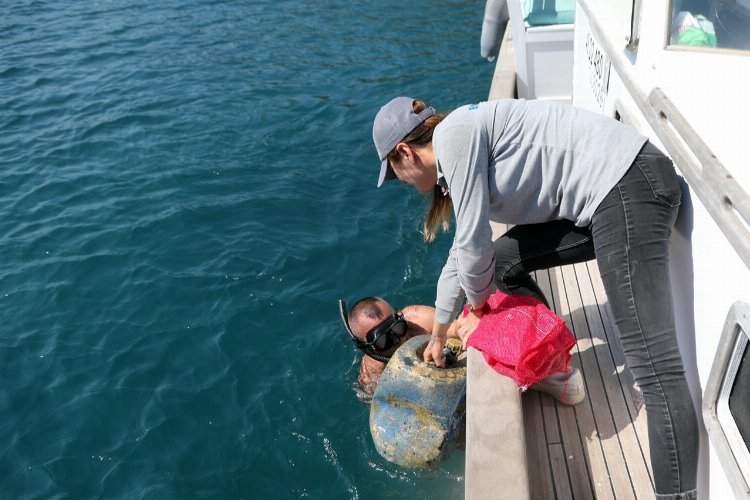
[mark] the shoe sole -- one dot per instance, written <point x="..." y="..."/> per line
<point x="562" y="393"/>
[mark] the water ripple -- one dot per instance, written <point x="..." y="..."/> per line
<point x="187" y="188"/>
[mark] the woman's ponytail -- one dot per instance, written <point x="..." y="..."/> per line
<point x="438" y="216"/>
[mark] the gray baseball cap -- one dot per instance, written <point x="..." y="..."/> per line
<point x="393" y="122"/>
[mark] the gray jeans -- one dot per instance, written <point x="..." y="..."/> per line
<point x="629" y="237"/>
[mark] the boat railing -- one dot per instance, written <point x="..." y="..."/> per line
<point x="721" y="194"/>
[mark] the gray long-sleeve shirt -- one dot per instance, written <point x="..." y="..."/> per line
<point x="520" y="162"/>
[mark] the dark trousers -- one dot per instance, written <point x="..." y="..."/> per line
<point x="629" y="237"/>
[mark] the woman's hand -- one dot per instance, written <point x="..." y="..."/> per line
<point x="466" y="327"/>
<point x="434" y="349"/>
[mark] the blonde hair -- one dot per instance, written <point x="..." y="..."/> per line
<point x="438" y="215"/>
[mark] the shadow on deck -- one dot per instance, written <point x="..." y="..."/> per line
<point x="598" y="448"/>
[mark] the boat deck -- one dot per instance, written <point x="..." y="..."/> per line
<point x="598" y="448"/>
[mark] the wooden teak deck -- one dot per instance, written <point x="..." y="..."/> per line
<point x="598" y="448"/>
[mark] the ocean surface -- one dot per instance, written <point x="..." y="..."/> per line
<point x="187" y="188"/>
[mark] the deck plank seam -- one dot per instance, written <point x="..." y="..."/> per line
<point x="609" y="330"/>
<point x="596" y="440"/>
<point x="563" y="445"/>
<point x="547" y="446"/>
<point x="610" y="409"/>
<point x="541" y="407"/>
<point x="557" y="303"/>
<point x="588" y="399"/>
<point x="554" y="300"/>
<point x="608" y="326"/>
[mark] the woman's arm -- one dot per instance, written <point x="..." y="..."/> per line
<point x="463" y="154"/>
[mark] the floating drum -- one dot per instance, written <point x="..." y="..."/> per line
<point x="418" y="410"/>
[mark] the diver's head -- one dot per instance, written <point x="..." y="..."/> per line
<point x="375" y="327"/>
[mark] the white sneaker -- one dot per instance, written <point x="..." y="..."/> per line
<point x="567" y="388"/>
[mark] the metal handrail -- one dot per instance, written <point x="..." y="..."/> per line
<point x="722" y="195"/>
<point x="724" y="198"/>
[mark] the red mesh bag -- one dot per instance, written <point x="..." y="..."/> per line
<point x="522" y="339"/>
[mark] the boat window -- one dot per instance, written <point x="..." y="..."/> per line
<point x="734" y="402"/>
<point x="726" y="399"/>
<point x="739" y="397"/>
<point x="722" y="24"/>
<point x="548" y="12"/>
<point x="635" y="26"/>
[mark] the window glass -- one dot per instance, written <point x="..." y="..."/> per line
<point x="547" y="12"/>
<point x="739" y="398"/>
<point x="721" y="24"/>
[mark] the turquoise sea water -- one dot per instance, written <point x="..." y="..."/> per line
<point x="187" y="188"/>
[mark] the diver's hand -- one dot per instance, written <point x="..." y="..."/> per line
<point x="434" y="349"/>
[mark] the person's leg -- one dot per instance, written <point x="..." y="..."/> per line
<point x="527" y="248"/>
<point x="631" y="230"/>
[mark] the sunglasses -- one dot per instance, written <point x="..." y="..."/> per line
<point x="381" y="338"/>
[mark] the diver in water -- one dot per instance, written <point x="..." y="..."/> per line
<point x="378" y="330"/>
